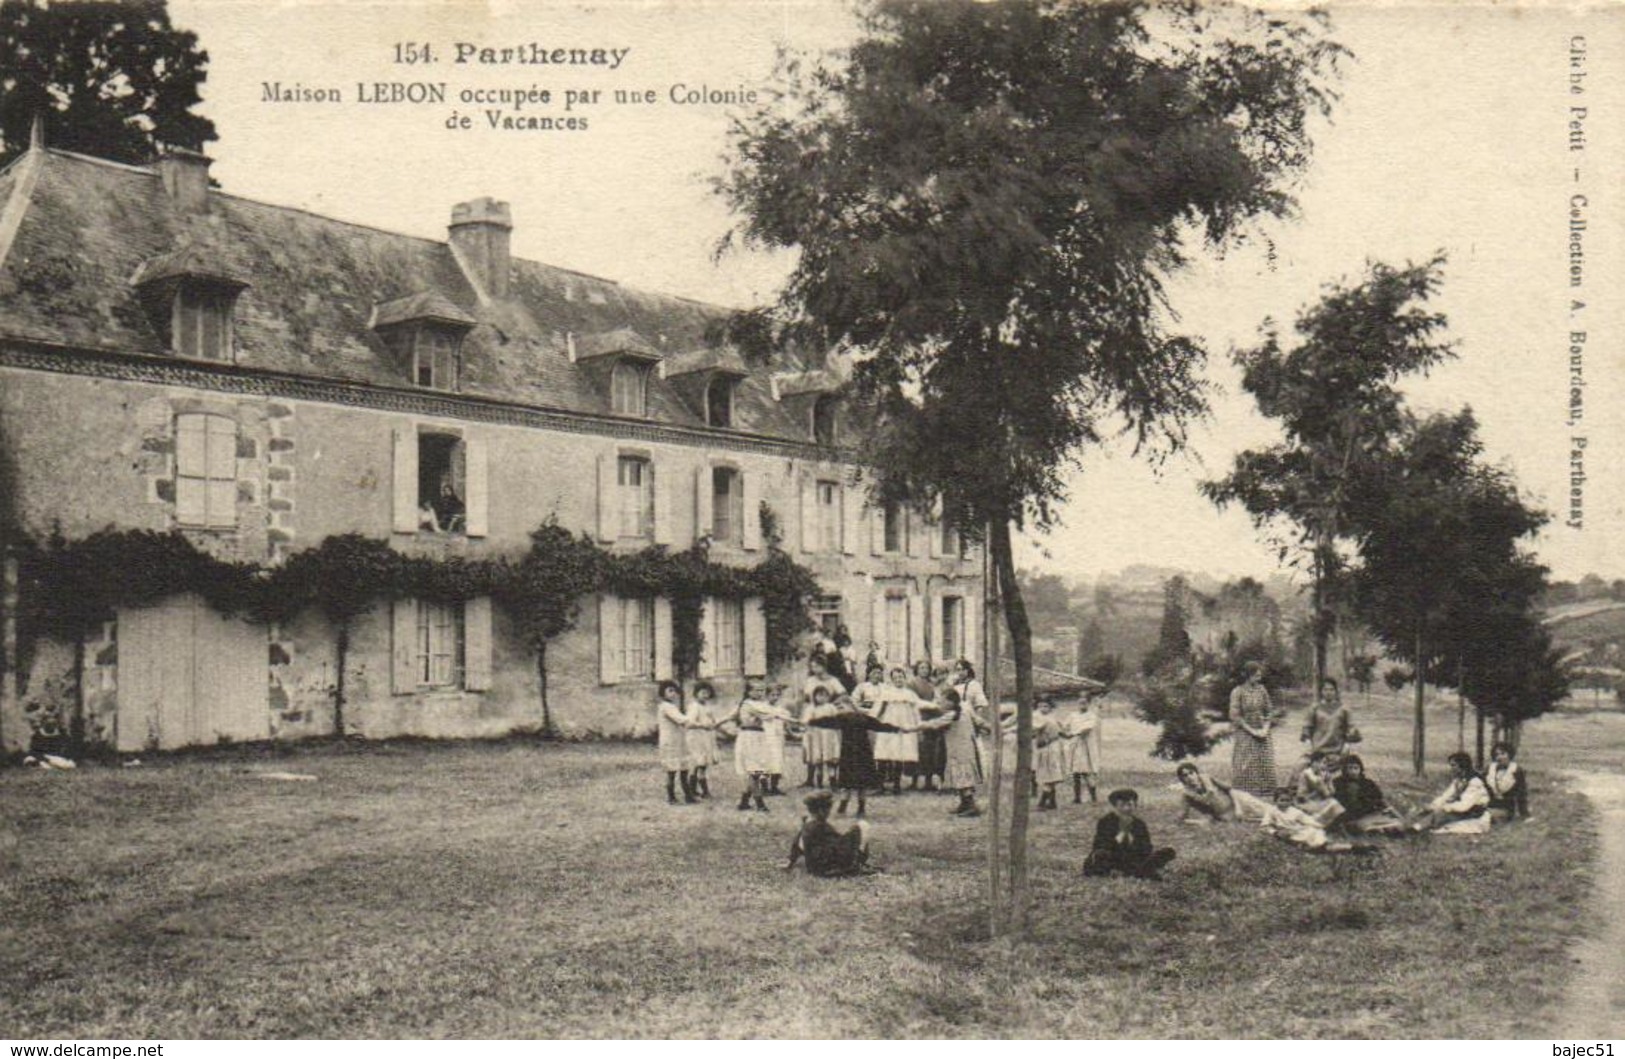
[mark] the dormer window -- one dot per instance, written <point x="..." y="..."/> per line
<point x="434" y="358"/>
<point x="189" y="295"/>
<point x="200" y="325"/>
<point x="629" y="388"/>
<point x="719" y="402"/>
<point x="823" y="420"/>
<point x="425" y="331"/>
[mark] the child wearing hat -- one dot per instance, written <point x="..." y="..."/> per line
<point x="829" y="853"/>
<point x="1123" y="843"/>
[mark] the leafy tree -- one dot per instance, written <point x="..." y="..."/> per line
<point x="1336" y="397"/>
<point x="1362" y="670"/>
<point x="1441" y="545"/>
<point x="1104" y="668"/>
<point x="112" y="79"/>
<point x="1396" y="677"/>
<point x="544" y="593"/>
<point x="1173" y="647"/>
<point x="986" y="200"/>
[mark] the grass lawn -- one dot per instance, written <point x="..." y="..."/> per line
<point x="516" y="889"/>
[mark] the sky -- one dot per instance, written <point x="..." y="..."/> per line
<point x="1452" y="135"/>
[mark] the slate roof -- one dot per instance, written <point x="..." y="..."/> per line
<point x="89" y="227"/>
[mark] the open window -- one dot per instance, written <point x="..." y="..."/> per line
<point x="440" y="482"/>
<point x="719" y="401"/>
<point x="823" y="419"/>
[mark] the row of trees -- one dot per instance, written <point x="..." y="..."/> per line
<point x="1396" y="515"/>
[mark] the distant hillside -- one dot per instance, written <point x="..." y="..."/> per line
<point x="1581" y="625"/>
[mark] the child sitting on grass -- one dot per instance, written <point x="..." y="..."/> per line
<point x="830" y="853"/>
<point x="1123" y="842"/>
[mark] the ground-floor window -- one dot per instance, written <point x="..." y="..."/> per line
<point x="728" y="656"/>
<point x="439" y="644"/>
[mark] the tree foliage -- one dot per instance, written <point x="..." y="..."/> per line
<point x="1336" y="396"/>
<point x="112" y="79"/>
<point x="986" y="201"/>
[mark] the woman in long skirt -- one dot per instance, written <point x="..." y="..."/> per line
<point x="1252" y="760"/>
<point x="900" y="707"/>
<point x="931" y="763"/>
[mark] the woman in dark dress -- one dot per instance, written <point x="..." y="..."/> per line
<point x="857" y="773"/>
<point x="933" y="749"/>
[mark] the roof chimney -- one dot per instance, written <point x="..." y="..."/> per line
<point x="480" y="232"/>
<point x="186" y="177"/>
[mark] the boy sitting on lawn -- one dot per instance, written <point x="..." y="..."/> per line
<point x="1123" y="842"/>
<point x="830" y="853"/>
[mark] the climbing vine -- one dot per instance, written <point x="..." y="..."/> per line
<point x="71" y="586"/>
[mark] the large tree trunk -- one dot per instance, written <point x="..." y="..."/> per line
<point x="338" y="684"/>
<point x="1319" y="626"/>
<point x="541" y="684"/>
<point x="1021" y="647"/>
<point x="1419" y="722"/>
<point x="1480" y="756"/>
<point x="995" y="778"/>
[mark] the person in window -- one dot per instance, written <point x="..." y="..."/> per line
<point x="1123" y="843"/>
<point x="449" y="511"/>
<point x="1509" y="789"/>
<point x="830" y="854"/>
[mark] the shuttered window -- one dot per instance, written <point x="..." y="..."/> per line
<point x="728" y="625"/>
<point x="637" y="639"/>
<point x="438" y="646"/>
<point x="627" y="389"/>
<point x="202" y="324"/>
<point x="896" y="641"/>
<point x="205" y="471"/>
<point x="829" y="517"/>
<point x="635" y="489"/>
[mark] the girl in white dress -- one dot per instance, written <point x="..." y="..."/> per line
<point x="895" y="751"/>
<point x="671" y="726"/>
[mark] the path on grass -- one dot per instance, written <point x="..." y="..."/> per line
<point x="1595" y="1005"/>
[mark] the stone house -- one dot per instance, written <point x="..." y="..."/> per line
<point x="261" y="378"/>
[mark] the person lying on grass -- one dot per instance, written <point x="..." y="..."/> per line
<point x="830" y="854"/>
<point x="1366" y="811"/>
<point x="1462" y="808"/>
<point x="1207" y="800"/>
<point x="1123" y="842"/>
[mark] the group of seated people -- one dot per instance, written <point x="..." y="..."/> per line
<point x="1332" y="801"/>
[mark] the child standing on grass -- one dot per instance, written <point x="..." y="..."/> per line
<point x="751" y="755"/>
<point x="1078" y="750"/>
<point x="671" y="725"/>
<point x="821" y="747"/>
<point x="898" y="748"/>
<point x="774" y="727"/>
<point x="963" y="771"/>
<point x="1123" y="843"/>
<point x="702" y="737"/>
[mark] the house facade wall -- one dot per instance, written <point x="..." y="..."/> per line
<point x="88" y="448"/>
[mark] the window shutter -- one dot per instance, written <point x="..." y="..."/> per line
<point x="752" y="489"/>
<point x="933" y="530"/>
<point x="877" y="529"/>
<point x="755" y="638"/>
<point x="708" y="632"/>
<point x="608" y="499"/>
<point x="851" y="518"/>
<point x="406" y="480"/>
<point x="933" y="628"/>
<point x="403" y="645"/>
<point x="916" y="628"/>
<point x="663" y="667"/>
<point x="915" y="529"/>
<point x="609" y="639"/>
<point x="476" y="502"/>
<point x="665" y="497"/>
<point x="809" y="515"/>
<point x="877" y="620"/>
<point x="971" y="633"/>
<point x="703" y="517"/>
<point x="477" y="641"/>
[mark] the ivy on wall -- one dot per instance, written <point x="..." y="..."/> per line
<point x="69" y="587"/>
